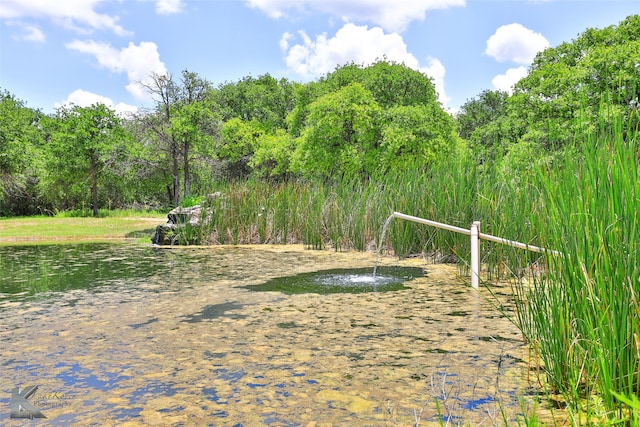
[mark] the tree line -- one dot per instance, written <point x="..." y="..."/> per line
<point x="356" y="122"/>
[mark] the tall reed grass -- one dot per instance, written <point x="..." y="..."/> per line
<point x="350" y="214"/>
<point x="347" y="215"/>
<point x="584" y="316"/>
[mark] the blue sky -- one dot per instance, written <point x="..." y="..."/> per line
<point x="54" y="52"/>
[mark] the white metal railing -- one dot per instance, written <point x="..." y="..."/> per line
<point x="476" y="235"/>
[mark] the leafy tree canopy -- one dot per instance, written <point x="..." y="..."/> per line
<point x="341" y="132"/>
<point x="263" y="99"/>
<point x="84" y="141"/>
<point x="389" y="83"/>
<point x="414" y="136"/>
<point x="20" y="135"/>
<point x="568" y="86"/>
<point x="183" y="125"/>
<point x="479" y="111"/>
<point x="563" y="96"/>
<point x="21" y="139"/>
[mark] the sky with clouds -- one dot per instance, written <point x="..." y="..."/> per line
<point x="54" y="52"/>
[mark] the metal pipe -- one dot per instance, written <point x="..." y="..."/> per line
<point x="432" y="223"/>
<point x="480" y="235"/>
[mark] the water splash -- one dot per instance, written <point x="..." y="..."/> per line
<point x="384" y="231"/>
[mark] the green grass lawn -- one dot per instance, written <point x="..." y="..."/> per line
<point x="68" y="229"/>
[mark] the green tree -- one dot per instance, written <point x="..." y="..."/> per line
<point x="568" y="86"/>
<point x="254" y="112"/>
<point x="156" y="124"/>
<point x="146" y="170"/>
<point x="562" y="99"/>
<point x="483" y="109"/>
<point x="341" y="135"/>
<point x="250" y="148"/>
<point x="196" y="123"/>
<point x="367" y="120"/>
<point x="305" y="95"/>
<point x="390" y="84"/>
<point x="184" y="119"/>
<point x="484" y="122"/>
<point x="236" y="146"/>
<point x="83" y="143"/>
<point x="416" y="135"/>
<point x="239" y="137"/>
<point x="264" y="99"/>
<point x="393" y="84"/>
<point x="272" y="154"/>
<point x="20" y="140"/>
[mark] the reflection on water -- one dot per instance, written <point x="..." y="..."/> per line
<point x="117" y="333"/>
<point x="30" y="270"/>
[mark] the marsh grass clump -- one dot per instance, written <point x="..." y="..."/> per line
<point x="583" y="317"/>
<point x="347" y="214"/>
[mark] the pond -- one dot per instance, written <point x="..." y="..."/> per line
<point x="117" y="333"/>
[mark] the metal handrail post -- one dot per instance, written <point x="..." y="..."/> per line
<point x="475" y="254"/>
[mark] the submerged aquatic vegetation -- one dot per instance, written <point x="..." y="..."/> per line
<point x="150" y="335"/>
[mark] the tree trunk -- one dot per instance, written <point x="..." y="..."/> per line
<point x="176" y="175"/>
<point x="187" y="172"/>
<point x="94" y="186"/>
<point x="169" y="194"/>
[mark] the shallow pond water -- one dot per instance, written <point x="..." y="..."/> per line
<point x="117" y="334"/>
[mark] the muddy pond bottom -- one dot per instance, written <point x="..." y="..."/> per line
<point x="186" y="336"/>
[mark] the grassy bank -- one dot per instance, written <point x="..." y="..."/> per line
<point x="60" y="229"/>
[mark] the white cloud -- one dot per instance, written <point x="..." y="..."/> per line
<point x="354" y="43"/>
<point x="28" y="32"/>
<point x="138" y="62"/>
<point x="436" y="71"/>
<point x="34" y="34"/>
<point x="506" y="81"/>
<point x="358" y="44"/>
<point x="168" y="7"/>
<point x="390" y="15"/>
<point x="77" y="15"/>
<point x="275" y="8"/>
<point x="83" y="98"/>
<point x="515" y="43"/>
<point x="284" y="41"/>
